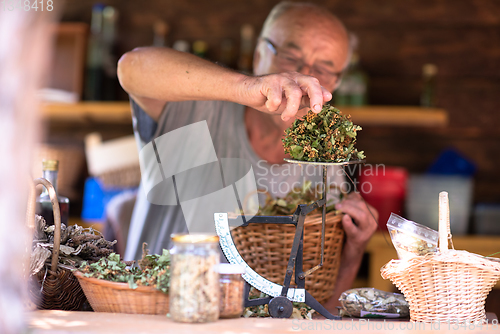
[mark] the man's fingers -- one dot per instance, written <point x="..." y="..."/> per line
<point x="274" y="98"/>
<point x="315" y="94"/>
<point x="327" y="96"/>
<point x="354" y="206"/>
<point x="293" y="96"/>
<point x="348" y="225"/>
<point x="288" y="92"/>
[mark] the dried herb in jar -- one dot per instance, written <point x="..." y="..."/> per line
<point x="194" y="287"/>
<point x="327" y="136"/>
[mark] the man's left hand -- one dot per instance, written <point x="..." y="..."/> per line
<point x="360" y="220"/>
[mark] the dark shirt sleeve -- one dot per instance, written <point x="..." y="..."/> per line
<point x="143" y="124"/>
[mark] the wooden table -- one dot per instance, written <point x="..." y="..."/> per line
<point x="381" y="251"/>
<point x="99" y="323"/>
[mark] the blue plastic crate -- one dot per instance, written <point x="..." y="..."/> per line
<point x="96" y="197"/>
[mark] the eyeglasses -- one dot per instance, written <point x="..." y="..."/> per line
<point x="289" y="62"/>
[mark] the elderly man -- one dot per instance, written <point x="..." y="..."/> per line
<point x="298" y="61"/>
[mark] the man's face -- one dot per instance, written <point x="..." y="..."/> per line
<point x="306" y="44"/>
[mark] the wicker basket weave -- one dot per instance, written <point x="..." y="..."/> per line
<point x="53" y="289"/>
<point x="266" y="249"/>
<point x="125" y="177"/>
<point x="448" y="286"/>
<point x="106" y="296"/>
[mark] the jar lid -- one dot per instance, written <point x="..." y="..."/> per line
<point x="228" y="268"/>
<point x="194" y="238"/>
<point x="51" y="165"/>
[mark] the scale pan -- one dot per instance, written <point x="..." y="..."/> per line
<point x="352" y="162"/>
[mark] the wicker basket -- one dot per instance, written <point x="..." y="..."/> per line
<point x="266" y="249"/>
<point x="124" y="177"/>
<point x="106" y="296"/>
<point x="447" y="286"/>
<point x="49" y="289"/>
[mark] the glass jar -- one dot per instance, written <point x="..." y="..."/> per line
<point x="232" y="288"/>
<point x="194" y="284"/>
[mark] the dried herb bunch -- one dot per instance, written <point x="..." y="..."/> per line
<point x="77" y="244"/>
<point x="327" y="136"/>
<point x="306" y="194"/>
<point x="153" y="270"/>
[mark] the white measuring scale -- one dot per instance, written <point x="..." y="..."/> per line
<point x="282" y="296"/>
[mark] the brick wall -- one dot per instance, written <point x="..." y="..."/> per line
<point x="396" y="38"/>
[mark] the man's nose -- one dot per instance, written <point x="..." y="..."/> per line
<point x="304" y="69"/>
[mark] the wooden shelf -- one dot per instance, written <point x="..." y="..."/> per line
<point x="397" y="116"/>
<point x="85" y="112"/>
<point x="119" y="112"/>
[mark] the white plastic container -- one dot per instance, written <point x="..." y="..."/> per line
<point x="487" y="219"/>
<point x="422" y="207"/>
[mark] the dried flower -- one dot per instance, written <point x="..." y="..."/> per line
<point x="327" y="136"/>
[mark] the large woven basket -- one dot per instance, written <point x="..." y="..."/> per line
<point x="53" y="287"/>
<point x="266" y="249"/>
<point x="106" y="296"/>
<point x="447" y="286"/>
<point x="124" y="177"/>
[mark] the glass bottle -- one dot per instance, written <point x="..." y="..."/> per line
<point x="428" y="97"/>
<point x="94" y="80"/>
<point x="194" y="285"/>
<point x="43" y="204"/>
<point x="353" y="87"/>
<point x="232" y="288"/>
<point x="200" y="48"/>
<point x="246" y="49"/>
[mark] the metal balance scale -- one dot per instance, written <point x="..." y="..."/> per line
<point x="282" y="296"/>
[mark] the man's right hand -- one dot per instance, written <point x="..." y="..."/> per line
<point x="284" y="93"/>
<point x="156" y="76"/>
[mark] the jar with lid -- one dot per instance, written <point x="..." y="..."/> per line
<point x="231" y="290"/>
<point x="194" y="284"/>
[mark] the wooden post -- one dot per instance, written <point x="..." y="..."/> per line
<point x="25" y="38"/>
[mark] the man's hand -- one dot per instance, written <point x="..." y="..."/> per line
<point x="284" y="93"/>
<point x="360" y="220"/>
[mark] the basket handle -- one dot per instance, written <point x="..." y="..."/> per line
<point x="444" y="221"/>
<point x="57" y="216"/>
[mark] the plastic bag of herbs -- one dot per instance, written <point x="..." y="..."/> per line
<point x="328" y="136"/>
<point x="152" y="270"/>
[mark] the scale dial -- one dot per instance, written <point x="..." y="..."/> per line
<point x="233" y="256"/>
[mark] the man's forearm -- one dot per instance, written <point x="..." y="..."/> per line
<point x="169" y="75"/>
<point x="349" y="266"/>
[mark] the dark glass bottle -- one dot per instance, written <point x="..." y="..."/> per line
<point x="428" y="97"/>
<point x="94" y="80"/>
<point x="43" y="204"/>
